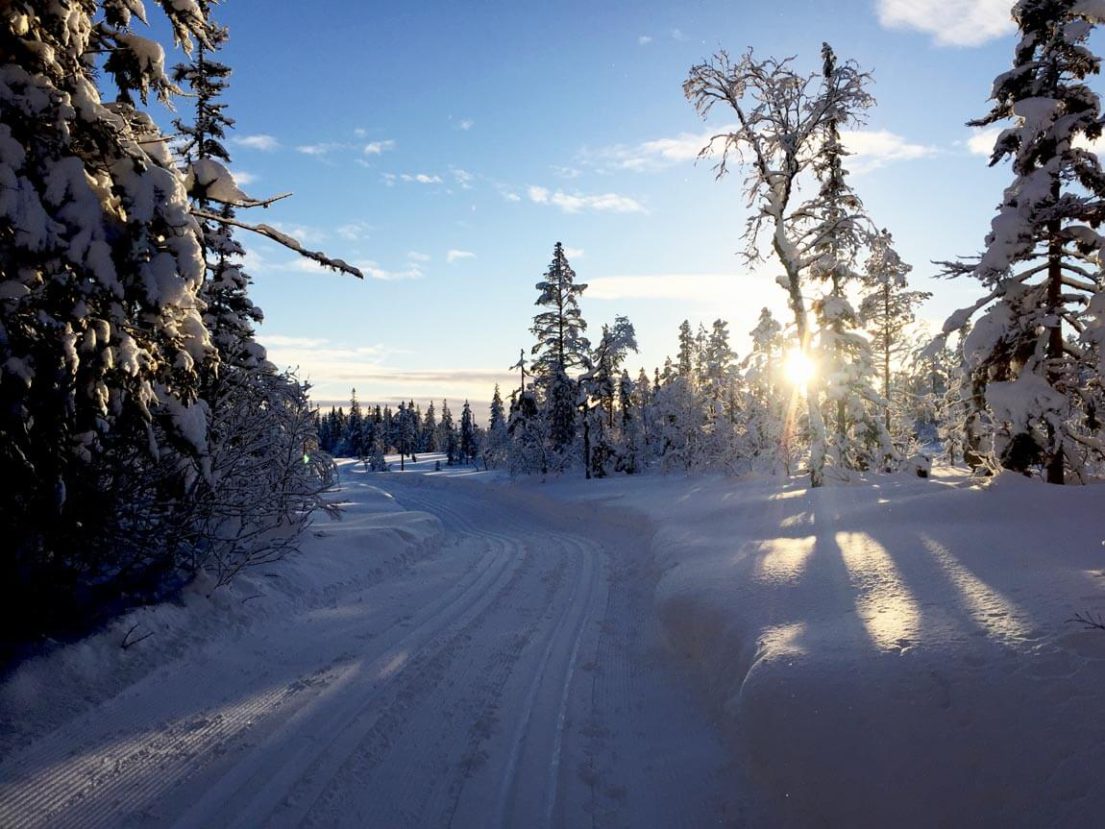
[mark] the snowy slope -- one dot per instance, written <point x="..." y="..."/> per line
<point x="892" y="653"/>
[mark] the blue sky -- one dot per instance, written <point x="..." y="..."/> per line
<point x="445" y="147"/>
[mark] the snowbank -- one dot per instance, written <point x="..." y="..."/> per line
<point x="373" y="538"/>
<point x="896" y="652"/>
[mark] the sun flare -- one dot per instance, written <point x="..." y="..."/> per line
<point x="798" y="368"/>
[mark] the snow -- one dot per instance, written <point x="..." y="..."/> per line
<point x="462" y="648"/>
<point x="892" y="653"/>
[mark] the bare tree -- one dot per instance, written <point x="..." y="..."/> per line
<point x="783" y="120"/>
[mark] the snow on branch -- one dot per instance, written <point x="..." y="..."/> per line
<point x="283" y="239"/>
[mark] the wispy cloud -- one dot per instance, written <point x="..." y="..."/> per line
<point x="463" y="178"/>
<point x="872" y="149"/>
<point x="378" y="147"/>
<point x="574" y="253"/>
<point x="466" y="124"/>
<point x="320" y="149"/>
<point x="257" y="263"/>
<point x="415" y="256"/>
<point x="644" y="40"/>
<point x="578" y="202"/>
<point x="266" y="143"/>
<point x="657" y="154"/>
<point x="419" y="178"/>
<point x="457" y="255"/>
<point x="354" y="231"/>
<point x="950" y="22"/>
<point x="677" y="34"/>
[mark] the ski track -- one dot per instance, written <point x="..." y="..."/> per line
<point x="514" y="678"/>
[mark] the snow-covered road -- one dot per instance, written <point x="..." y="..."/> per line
<point x="511" y="676"/>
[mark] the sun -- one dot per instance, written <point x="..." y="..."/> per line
<point x="798" y="368"/>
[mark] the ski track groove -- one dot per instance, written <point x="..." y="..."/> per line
<point x="109" y="777"/>
<point x="509" y="698"/>
<point x="338" y="726"/>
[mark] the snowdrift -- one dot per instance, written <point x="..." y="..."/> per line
<point x="897" y="652"/>
<point x="373" y="539"/>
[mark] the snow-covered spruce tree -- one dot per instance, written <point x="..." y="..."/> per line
<point x="1035" y="353"/>
<point x="496" y="447"/>
<point x="526" y="427"/>
<point x="855" y="438"/>
<point x="717" y="390"/>
<point x="467" y="436"/>
<point x="782" y="120"/>
<point x="676" y="410"/>
<point x="560" y="349"/>
<point x="100" y="331"/>
<point x="597" y="390"/>
<point x="252" y="507"/>
<point x="887" y="308"/>
<point x="427" y="441"/>
<point x="768" y="405"/>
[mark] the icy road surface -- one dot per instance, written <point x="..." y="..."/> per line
<point x="511" y="677"/>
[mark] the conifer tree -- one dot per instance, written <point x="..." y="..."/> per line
<point x="887" y="307"/>
<point x="1040" y="266"/>
<point x="560" y="348"/>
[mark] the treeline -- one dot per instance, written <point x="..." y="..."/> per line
<point x="378" y="431"/>
<point x="710" y="409"/>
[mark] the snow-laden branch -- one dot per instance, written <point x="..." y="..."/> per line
<point x="285" y="240"/>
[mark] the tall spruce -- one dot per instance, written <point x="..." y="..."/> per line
<point x="560" y="349"/>
<point x="1041" y="263"/>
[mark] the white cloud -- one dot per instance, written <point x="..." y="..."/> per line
<point x="266" y="143"/>
<point x="320" y="149"/>
<point x="389" y="179"/>
<point x="872" y="149"/>
<point x="281" y="341"/>
<point x="373" y="270"/>
<point x="257" y="263"/>
<point x="950" y="22"/>
<point x="566" y="172"/>
<point x="463" y="178"/>
<point x="704" y="287"/>
<point x="658" y="154"/>
<point x="354" y="231"/>
<point x="244" y="178"/>
<point x="574" y="253"/>
<point x="982" y="141"/>
<point x="511" y="196"/>
<point x="456" y="255"/>
<point x="420" y="178"/>
<point x="379" y="147"/>
<point x="1097" y="146"/>
<point x="677" y="34"/>
<point x="415" y="256"/>
<point x="577" y="202"/>
<point x="644" y="40"/>
<point x="466" y="124"/>
<point x="306" y="234"/>
<point x="360" y="132"/>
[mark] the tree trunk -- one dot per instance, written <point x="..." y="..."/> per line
<point x="1054" y="340"/>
